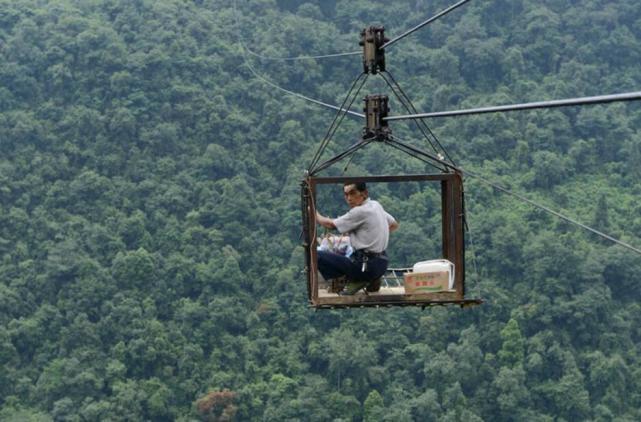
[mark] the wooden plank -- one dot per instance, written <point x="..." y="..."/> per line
<point x="389" y="303"/>
<point x="373" y="299"/>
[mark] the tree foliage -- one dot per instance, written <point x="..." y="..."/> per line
<point x="150" y="266"/>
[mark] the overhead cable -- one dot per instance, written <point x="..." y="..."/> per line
<point x="422" y="24"/>
<point x="421" y="155"/>
<point x="628" y="96"/>
<point x="311" y="100"/>
<point x="324" y="56"/>
<point x="548" y="210"/>
<point x="272" y="84"/>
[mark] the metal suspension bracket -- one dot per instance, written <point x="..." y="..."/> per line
<point x="372" y="39"/>
<point x="376" y="109"/>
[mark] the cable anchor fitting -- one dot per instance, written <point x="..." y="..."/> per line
<point x="372" y="39"/>
<point x="376" y="109"/>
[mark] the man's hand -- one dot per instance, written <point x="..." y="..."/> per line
<point x="324" y="221"/>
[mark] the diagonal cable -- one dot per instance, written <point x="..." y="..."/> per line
<point x="339" y="120"/>
<point x="516" y="195"/>
<point x="422" y="24"/>
<point x="425" y="126"/>
<point x="348" y="152"/>
<point x="407" y="104"/>
<point x="417" y="153"/>
<point x="333" y="126"/>
<point x="551" y="211"/>
<point x="324" y="56"/>
<point x="401" y="148"/>
<point x="272" y="84"/>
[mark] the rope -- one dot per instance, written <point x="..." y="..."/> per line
<point x="422" y="24"/>
<point x="330" y="129"/>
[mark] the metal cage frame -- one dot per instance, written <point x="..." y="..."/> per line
<point x="453" y="244"/>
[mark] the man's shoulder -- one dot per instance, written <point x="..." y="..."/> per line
<point x="370" y="207"/>
<point x="373" y="204"/>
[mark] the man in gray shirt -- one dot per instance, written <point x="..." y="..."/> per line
<point x="369" y="226"/>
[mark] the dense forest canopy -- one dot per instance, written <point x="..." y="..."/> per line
<point x="150" y="261"/>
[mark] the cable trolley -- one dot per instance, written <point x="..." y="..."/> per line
<point x="395" y="289"/>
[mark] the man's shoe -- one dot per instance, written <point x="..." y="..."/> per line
<point x="337" y="284"/>
<point x="352" y="288"/>
<point x="374" y="286"/>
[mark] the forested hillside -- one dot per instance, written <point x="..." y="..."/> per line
<point x="150" y="260"/>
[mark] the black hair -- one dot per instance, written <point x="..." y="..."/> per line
<point x="360" y="186"/>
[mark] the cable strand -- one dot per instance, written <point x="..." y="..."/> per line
<point x="426" y="127"/>
<point x="272" y="84"/>
<point x="600" y="99"/>
<point x="340" y="120"/>
<point x="411" y="150"/>
<point x="550" y="211"/>
<point x="324" y="56"/>
<point x="348" y="152"/>
<point x="330" y="129"/>
<point x="422" y="24"/>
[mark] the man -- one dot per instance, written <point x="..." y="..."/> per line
<point x="369" y="226"/>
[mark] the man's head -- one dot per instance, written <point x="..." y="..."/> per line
<point x="355" y="193"/>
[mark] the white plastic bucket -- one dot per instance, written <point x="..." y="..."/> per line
<point x="436" y="265"/>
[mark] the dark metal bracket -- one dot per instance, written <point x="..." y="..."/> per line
<point x="372" y="39"/>
<point x="376" y="110"/>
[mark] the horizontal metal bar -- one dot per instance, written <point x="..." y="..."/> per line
<point x="403" y="178"/>
<point x="628" y="96"/>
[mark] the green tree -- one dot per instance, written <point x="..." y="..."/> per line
<point x="513" y="349"/>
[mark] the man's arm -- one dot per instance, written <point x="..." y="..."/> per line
<point x="325" y="221"/>
<point x="393" y="226"/>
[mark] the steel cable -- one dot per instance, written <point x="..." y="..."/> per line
<point x="422" y="24"/>
<point x="351" y="53"/>
<point x="600" y="99"/>
<point x="411" y="150"/>
<point x="272" y="84"/>
<point x="331" y="131"/>
<point x="407" y="104"/>
<point x="426" y="127"/>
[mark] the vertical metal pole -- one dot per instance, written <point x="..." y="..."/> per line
<point x="445" y="219"/>
<point x="305" y="210"/>
<point x="311" y="252"/>
<point x="453" y="241"/>
<point x="459" y="233"/>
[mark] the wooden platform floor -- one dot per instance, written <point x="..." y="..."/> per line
<point x="384" y="291"/>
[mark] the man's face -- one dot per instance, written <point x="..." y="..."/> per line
<point x="353" y="196"/>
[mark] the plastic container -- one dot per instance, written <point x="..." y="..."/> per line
<point x="434" y="266"/>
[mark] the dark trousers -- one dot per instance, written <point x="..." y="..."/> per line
<point x="332" y="265"/>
